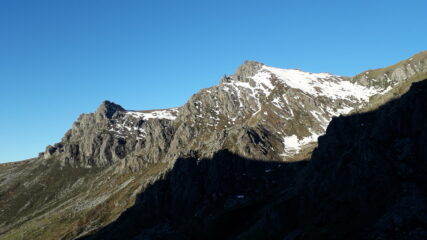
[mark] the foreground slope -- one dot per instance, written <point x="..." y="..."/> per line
<point x="260" y="113"/>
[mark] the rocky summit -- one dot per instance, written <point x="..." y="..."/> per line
<point x="268" y="153"/>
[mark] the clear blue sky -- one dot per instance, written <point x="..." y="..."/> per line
<point x="61" y="58"/>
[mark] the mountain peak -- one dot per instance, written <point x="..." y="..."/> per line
<point x="247" y="69"/>
<point x="107" y="109"/>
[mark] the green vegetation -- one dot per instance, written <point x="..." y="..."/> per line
<point x="65" y="202"/>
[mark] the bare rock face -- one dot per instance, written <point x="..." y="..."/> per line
<point x="390" y="77"/>
<point x="111" y="135"/>
<point x="107" y="110"/>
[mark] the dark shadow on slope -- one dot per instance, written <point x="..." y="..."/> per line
<point x="219" y="196"/>
<point x="366" y="180"/>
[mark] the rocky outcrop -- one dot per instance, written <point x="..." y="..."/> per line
<point x="389" y="77"/>
<point x="114" y="135"/>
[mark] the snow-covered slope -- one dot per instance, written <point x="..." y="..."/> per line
<point x="292" y="105"/>
<point x="331" y="96"/>
<point x="319" y="84"/>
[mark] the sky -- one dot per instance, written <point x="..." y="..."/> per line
<point x="61" y="58"/>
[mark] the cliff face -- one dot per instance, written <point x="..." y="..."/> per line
<point x="226" y="161"/>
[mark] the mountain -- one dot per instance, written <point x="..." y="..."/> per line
<point x="290" y="106"/>
<point x="229" y="161"/>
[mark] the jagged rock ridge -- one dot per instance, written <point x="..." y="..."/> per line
<point x="259" y="112"/>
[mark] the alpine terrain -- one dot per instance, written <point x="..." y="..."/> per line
<point x="268" y="153"/>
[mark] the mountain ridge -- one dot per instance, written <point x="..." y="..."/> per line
<point x="249" y="88"/>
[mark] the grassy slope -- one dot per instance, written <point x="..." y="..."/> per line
<point x="45" y="201"/>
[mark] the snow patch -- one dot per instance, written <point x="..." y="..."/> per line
<point x="293" y="145"/>
<point x="322" y="84"/>
<point x="169" y="114"/>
